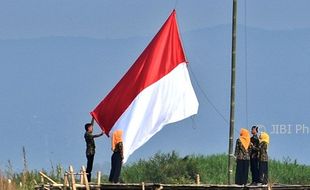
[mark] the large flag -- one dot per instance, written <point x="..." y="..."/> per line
<point x="155" y="91"/>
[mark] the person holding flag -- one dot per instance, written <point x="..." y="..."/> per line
<point x="90" y="148"/>
<point x="154" y="92"/>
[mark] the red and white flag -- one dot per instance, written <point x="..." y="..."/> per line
<point x="155" y="91"/>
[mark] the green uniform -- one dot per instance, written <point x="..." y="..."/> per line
<point x="90" y="143"/>
<point x="240" y="152"/>
<point x="263" y="155"/>
<point x="243" y="161"/>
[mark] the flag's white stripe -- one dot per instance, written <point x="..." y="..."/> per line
<point x="170" y="99"/>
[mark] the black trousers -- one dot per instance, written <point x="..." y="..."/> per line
<point x="263" y="172"/>
<point x="116" y="165"/>
<point x="89" y="168"/>
<point x="242" y="172"/>
<point x="254" y="170"/>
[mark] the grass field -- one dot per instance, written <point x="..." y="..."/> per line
<point x="167" y="168"/>
<point x="171" y="168"/>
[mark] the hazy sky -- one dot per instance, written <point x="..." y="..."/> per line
<point x="61" y="57"/>
<point x="121" y="19"/>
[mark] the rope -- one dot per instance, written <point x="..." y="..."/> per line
<point x="208" y="101"/>
<point x="206" y="97"/>
<point x="246" y="63"/>
<point x="194" y="125"/>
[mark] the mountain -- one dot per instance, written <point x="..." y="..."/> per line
<point x="49" y="85"/>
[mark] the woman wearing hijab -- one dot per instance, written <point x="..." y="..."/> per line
<point x="117" y="157"/>
<point x="263" y="158"/>
<point x="243" y="157"/>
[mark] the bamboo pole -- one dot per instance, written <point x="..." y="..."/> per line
<point x="48" y="178"/>
<point x="143" y="186"/>
<point x="9" y="184"/>
<point x="72" y="178"/>
<point x="42" y="179"/>
<point x="66" y="183"/>
<point x="82" y="182"/>
<point x="98" y="180"/>
<point x="85" y="178"/>
<point x="197" y="179"/>
<point x="232" y="94"/>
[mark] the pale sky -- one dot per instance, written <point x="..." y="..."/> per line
<point x="60" y="58"/>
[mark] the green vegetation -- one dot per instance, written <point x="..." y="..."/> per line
<point x="171" y="168"/>
<point x="165" y="168"/>
<point x="289" y="172"/>
<point x="26" y="180"/>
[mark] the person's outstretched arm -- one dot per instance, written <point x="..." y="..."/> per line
<point x="98" y="135"/>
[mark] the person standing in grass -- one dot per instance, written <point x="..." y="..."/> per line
<point x="254" y="155"/>
<point x="117" y="156"/>
<point x="243" y="157"/>
<point x="90" y="148"/>
<point x="263" y="158"/>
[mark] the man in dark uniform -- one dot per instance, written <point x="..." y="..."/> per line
<point x="254" y="156"/>
<point x="90" y="148"/>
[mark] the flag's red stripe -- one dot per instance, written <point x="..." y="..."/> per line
<point x="160" y="57"/>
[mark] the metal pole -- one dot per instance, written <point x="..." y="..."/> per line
<point x="232" y="95"/>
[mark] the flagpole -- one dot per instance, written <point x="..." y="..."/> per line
<point x="232" y="95"/>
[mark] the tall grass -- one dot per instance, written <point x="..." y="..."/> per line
<point x="6" y="183"/>
<point x="289" y="172"/>
<point x="163" y="168"/>
<point x="26" y="180"/>
<point x="171" y="168"/>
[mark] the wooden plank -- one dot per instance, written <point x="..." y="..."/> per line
<point x="45" y="176"/>
<point x="84" y="177"/>
<point x="66" y="181"/>
<point x="152" y="186"/>
<point x="98" y="177"/>
<point x="73" y="185"/>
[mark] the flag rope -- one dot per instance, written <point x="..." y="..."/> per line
<point x="246" y="63"/>
<point x="205" y="96"/>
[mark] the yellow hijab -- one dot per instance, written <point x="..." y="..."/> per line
<point x="245" y="138"/>
<point x="264" y="137"/>
<point x="116" y="138"/>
